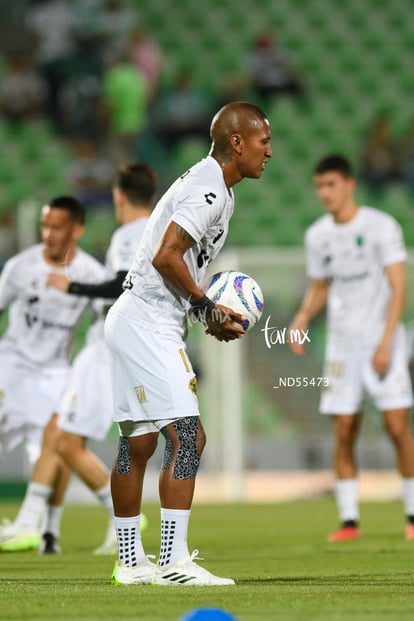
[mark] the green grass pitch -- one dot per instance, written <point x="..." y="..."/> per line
<point x="277" y="553"/>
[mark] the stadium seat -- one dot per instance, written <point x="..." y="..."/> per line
<point x="356" y="58"/>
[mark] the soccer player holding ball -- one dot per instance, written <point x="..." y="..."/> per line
<point x="153" y="381"/>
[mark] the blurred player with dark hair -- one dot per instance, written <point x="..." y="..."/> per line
<point x="85" y="411"/>
<point x="41" y="322"/>
<point x="356" y="261"/>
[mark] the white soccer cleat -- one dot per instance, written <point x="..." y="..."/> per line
<point x="14" y="538"/>
<point x="142" y="573"/>
<point x="6" y="527"/>
<point x="110" y="544"/>
<point x="187" y="573"/>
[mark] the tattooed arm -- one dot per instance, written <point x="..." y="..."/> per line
<point x="168" y="260"/>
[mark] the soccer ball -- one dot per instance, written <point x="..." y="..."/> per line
<point x="239" y="292"/>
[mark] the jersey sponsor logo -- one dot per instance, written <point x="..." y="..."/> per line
<point x="218" y="236"/>
<point x="202" y="259"/>
<point x="350" y="277"/>
<point x="31" y="314"/>
<point x="209" y="197"/>
<point x="30" y="319"/>
<point x="58" y="326"/>
<point x="192" y="385"/>
<point x="140" y="392"/>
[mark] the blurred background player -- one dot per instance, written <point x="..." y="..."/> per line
<point x="153" y="381"/>
<point x="41" y="322"/>
<point x="86" y="408"/>
<point x="356" y="261"/>
<point x="271" y="69"/>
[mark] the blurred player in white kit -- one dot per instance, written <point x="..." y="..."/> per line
<point x="85" y="411"/>
<point x="41" y="322"/>
<point x="356" y="262"/>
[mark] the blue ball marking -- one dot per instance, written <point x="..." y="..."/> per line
<point x="238" y="287"/>
<point x="258" y="302"/>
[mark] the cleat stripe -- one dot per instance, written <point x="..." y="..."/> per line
<point x="176" y="577"/>
<point x="186" y="579"/>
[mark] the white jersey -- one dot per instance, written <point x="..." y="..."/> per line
<point x="119" y="258"/>
<point x="124" y="242"/>
<point x="42" y="319"/>
<point x="352" y="256"/>
<point x="200" y="202"/>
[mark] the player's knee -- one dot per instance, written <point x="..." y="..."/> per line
<point x="183" y="447"/>
<point x="143" y="447"/>
<point x="345" y="440"/>
<point x="66" y="447"/>
<point x="50" y="434"/>
<point x="62" y="447"/>
<point x="398" y="433"/>
<point x="346" y="434"/>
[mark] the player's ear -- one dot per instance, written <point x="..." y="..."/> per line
<point x="78" y="231"/>
<point x="352" y="183"/>
<point x="119" y="196"/>
<point x="236" y="143"/>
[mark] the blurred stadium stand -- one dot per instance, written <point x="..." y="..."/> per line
<point x="356" y="59"/>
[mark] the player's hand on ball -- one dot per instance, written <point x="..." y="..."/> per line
<point x="225" y="324"/>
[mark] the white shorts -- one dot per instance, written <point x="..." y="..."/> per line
<point x="152" y="377"/>
<point x="86" y="407"/>
<point x="352" y="378"/>
<point x="29" y="395"/>
<point x="132" y="429"/>
<point x="30" y="435"/>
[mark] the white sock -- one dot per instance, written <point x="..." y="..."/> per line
<point x="346" y="494"/>
<point x="174" y="527"/>
<point x="408" y="496"/>
<point x="128" y="534"/>
<point x="105" y="498"/>
<point x="33" y="510"/>
<point x="53" y="519"/>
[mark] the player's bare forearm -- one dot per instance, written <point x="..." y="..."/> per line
<point x="397" y="278"/>
<point x="314" y="301"/>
